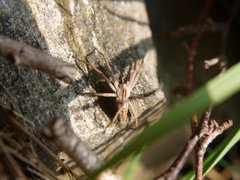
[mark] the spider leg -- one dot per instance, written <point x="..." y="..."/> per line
<point x="133" y="112"/>
<point x="141" y="96"/>
<point x="112" y="86"/>
<point x="135" y="74"/>
<point x="114" y="118"/>
<point x="115" y="82"/>
<point x="98" y="94"/>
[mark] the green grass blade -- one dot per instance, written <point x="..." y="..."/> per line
<point x="132" y="164"/>
<point x="217" y="154"/>
<point x="214" y="92"/>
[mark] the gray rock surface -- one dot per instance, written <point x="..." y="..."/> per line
<point x="69" y="29"/>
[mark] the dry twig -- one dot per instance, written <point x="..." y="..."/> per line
<point x="20" y="53"/>
<point x="10" y="165"/>
<point x="212" y="131"/>
<point x="205" y="131"/>
<point x="208" y="26"/>
<point x="7" y="117"/>
<point x="177" y="165"/>
<point x="172" y="172"/>
<point x="62" y="135"/>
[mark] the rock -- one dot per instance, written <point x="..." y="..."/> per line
<point x="69" y="30"/>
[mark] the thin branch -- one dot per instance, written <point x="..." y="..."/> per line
<point x="204" y="12"/>
<point x="10" y="164"/>
<point x="205" y="131"/>
<point x="37" y="173"/>
<point x="29" y="162"/>
<point x="202" y="127"/>
<point x="62" y="135"/>
<point x="20" y="53"/>
<point x="191" y="55"/>
<point x="7" y="117"/>
<point x="213" y="131"/>
<point x="179" y="162"/>
<point x="209" y="26"/>
<point x="66" y="140"/>
<point x="192" y="48"/>
<point x="177" y="165"/>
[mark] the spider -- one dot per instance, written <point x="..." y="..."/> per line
<point x="120" y="91"/>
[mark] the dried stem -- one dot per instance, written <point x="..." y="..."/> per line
<point x="62" y="135"/>
<point x="208" y="26"/>
<point x="212" y="132"/>
<point x="179" y="162"/>
<point x="205" y="131"/>
<point x="29" y="162"/>
<point x="177" y="165"/>
<point x="7" y="117"/>
<point x="20" y="53"/>
<point x="191" y="54"/>
<point x="192" y="48"/>
<point x="65" y="139"/>
<point x="212" y="128"/>
<point x="10" y="164"/>
<point x="37" y="173"/>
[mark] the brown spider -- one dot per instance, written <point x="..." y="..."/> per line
<point x="121" y="91"/>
